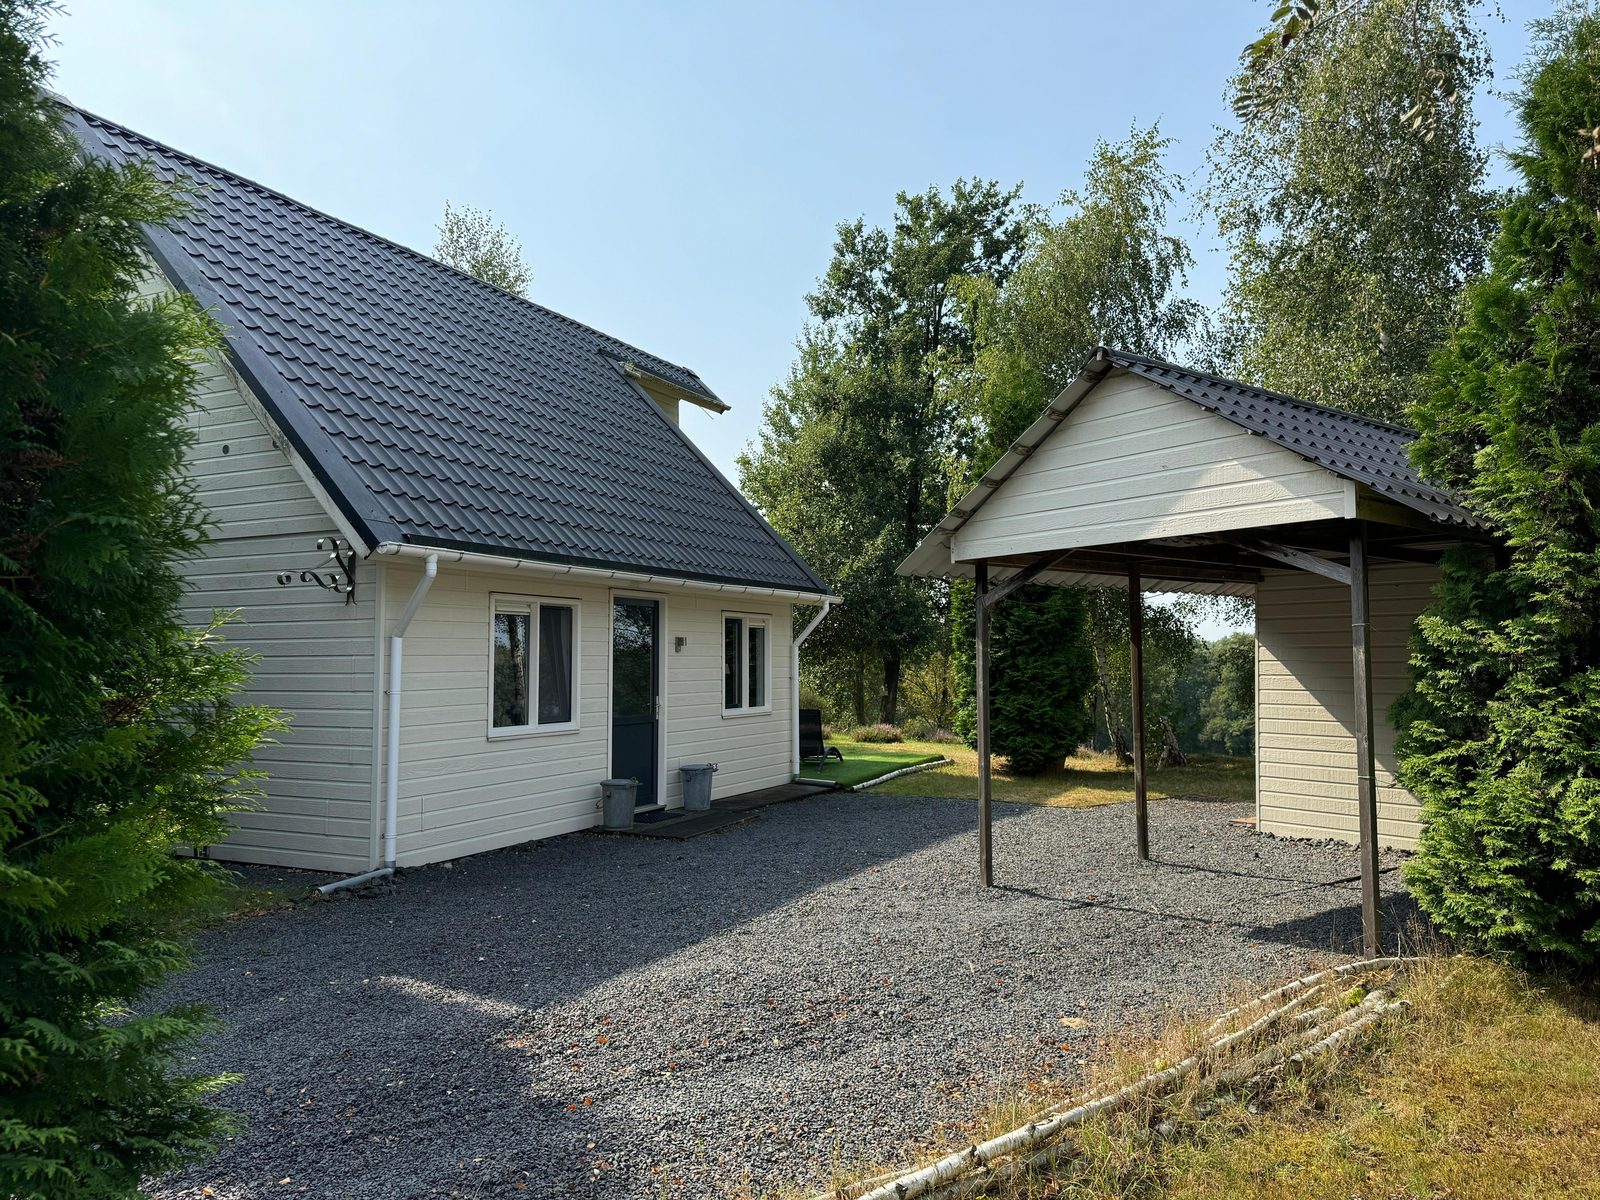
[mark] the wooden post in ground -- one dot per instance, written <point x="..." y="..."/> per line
<point x="985" y="784"/>
<point x="1141" y="803"/>
<point x="1366" y="781"/>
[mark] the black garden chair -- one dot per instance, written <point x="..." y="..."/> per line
<point x="811" y="743"/>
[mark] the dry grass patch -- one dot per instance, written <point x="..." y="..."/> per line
<point x="1485" y="1088"/>
<point x="1086" y="781"/>
<point x="1490" y="1089"/>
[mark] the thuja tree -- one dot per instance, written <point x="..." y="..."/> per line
<point x="116" y="727"/>
<point x="1501" y="735"/>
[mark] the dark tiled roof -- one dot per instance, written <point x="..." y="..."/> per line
<point x="441" y="411"/>
<point x="1358" y="448"/>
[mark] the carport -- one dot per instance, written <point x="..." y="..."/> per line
<point x="1149" y="476"/>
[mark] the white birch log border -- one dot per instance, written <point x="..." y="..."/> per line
<point x="913" y="769"/>
<point x="1309" y="1041"/>
<point x="1252" y="1069"/>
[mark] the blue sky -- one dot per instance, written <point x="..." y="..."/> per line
<point x="674" y="170"/>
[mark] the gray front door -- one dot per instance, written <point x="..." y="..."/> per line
<point x="635" y="692"/>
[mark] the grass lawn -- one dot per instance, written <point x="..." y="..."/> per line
<point x="1087" y="781"/>
<point x="864" y="761"/>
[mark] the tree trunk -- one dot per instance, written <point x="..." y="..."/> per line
<point x="1172" y="754"/>
<point x="1114" y="727"/>
<point x="891" y="686"/>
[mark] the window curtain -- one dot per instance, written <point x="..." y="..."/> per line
<point x="756" y="696"/>
<point x="731" y="633"/>
<point x="555" y="664"/>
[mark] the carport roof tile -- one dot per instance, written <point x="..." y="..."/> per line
<point x="1367" y="451"/>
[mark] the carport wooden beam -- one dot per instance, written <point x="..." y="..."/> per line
<point x="1141" y="796"/>
<point x="1366" y="780"/>
<point x="985" y="783"/>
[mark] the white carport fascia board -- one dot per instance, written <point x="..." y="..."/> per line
<point x="599" y="574"/>
<point x="932" y="555"/>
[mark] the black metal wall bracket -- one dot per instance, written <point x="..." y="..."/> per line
<point x="341" y="582"/>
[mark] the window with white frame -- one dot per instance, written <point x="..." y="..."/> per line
<point x="746" y="664"/>
<point x="533" y="665"/>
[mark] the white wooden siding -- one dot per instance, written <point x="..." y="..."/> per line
<point x="316" y="651"/>
<point x="463" y="792"/>
<point x="751" y="751"/>
<point x="1133" y="461"/>
<point x="1305" y="752"/>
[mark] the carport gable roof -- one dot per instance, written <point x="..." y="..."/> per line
<point x="439" y="411"/>
<point x="1370" y="453"/>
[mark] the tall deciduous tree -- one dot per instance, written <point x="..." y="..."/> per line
<point x="1352" y="199"/>
<point x="473" y="241"/>
<point x="1501" y="733"/>
<point x="1106" y="269"/>
<point x="854" y="456"/>
<point x="118" y="734"/>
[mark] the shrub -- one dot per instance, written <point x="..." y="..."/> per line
<point x="881" y="732"/>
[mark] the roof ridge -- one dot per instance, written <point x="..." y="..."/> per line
<point x="1228" y="381"/>
<point x="262" y="188"/>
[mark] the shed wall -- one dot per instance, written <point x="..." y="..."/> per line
<point x="1305" y="750"/>
<point x="1132" y="461"/>
<point x="463" y="791"/>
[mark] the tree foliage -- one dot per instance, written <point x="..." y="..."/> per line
<point x="1352" y="225"/>
<point x="1040" y="678"/>
<point x="117" y="728"/>
<point x="855" y="453"/>
<point x="1217" y="697"/>
<point x="473" y="241"/>
<point x="1501" y="732"/>
<point x="1105" y="269"/>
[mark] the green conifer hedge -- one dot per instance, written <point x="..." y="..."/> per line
<point x="1501" y="732"/>
<point x="118" y="735"/>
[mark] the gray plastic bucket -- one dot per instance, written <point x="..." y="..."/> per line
<point x="697" y="785"/>
<point x="617" y="800"/>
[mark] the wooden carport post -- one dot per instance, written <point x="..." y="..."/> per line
<point x="1366" y="781"/>
<point x="981" y="605"/>
<point x="1141" y="802"/>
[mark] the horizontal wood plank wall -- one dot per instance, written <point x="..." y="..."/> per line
<point x="1133" y="461"/>
<point x="316" y="651"/>
<point x="464" y="792"/>
<point x="751" y="751"/>
<point x="1305" y="754"/>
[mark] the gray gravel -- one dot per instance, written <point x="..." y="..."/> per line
<point x="603" y="1017"/>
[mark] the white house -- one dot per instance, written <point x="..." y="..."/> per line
<point x="483" y="567"/>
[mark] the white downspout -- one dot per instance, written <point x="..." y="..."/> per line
<point x="794" y="680"/>
<point x="391" y="775"/>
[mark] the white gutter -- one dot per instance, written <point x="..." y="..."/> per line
<point x="794" y="678"/>
<point x="430" y="571"/>
<point x="597" y="574"/>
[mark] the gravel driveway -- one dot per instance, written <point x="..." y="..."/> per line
<point x="606" y="1017"/>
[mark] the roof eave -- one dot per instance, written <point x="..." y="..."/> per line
<point x="513" y="561"/>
